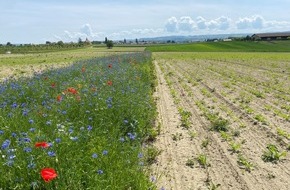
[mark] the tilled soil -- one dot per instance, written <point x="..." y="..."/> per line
<point x="223" y="169"/>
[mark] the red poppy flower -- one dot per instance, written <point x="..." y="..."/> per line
<point x="110" y="83"/>
<point x="110" y="66"/>
<point x="72" y="90"/>
<point x="42" y="144"/>
<point x="59" y="98"/>
<point x="53" y="85"/>
<point x="48" y="174"/>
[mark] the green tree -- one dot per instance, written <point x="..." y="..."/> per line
<point x="110" y="44"/>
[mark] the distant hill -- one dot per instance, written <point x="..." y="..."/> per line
<point x="194" y="38"/>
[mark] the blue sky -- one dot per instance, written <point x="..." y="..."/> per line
<point x="37" y="21"/>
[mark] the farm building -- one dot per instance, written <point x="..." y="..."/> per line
<point x="271" y="36"/>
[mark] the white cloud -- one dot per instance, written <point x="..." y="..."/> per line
<point x="87" y="29"/>
<point x="186" y="24"/>
<point x="171" y="24"/>
<point x="201" y="23"/>
<point x="253" y="22"/>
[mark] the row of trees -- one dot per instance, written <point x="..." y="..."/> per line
<point x="50" y="46"/>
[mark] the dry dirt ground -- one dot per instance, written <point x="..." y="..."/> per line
<point x="179" y="166"/>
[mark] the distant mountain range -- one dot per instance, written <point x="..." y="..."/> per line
<point x="194" y="38"/>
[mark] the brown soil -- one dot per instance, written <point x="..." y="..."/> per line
<point x="178" y="147"/>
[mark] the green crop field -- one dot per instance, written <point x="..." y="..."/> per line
<point x="233" y="46"/>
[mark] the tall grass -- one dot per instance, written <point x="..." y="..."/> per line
<point x="91" y="119"/>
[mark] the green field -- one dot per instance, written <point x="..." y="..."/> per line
<point x="234" y="46"/>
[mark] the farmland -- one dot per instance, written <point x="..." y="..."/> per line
<point x="234" y="46"/>
<point x="227" y="123"/>
<point x="86" y="118"/>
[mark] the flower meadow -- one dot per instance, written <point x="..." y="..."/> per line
<point x="79" y="127"/>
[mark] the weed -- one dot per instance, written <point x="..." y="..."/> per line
<point x="176" y="136"/>
<point x="205" y="143"/>
<point x="190" y="163"/>
<point x="236" y="133"/>
<point x="272" y="154"/>
<point x="220" y="124"/>
<point x="151" y="154"/>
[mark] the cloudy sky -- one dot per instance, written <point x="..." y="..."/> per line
<point x="37" y="21"/>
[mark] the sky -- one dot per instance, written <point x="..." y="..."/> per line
<point x="38" y="21"/>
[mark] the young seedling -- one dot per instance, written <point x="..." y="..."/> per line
<point x="185" y="118"/>
<point x="272" y="154"/>
<point x="235" y="147"/>
<point x="245" y="164"/>
<point x="225" y="136"/>
<point x="192" y="134"/>
<point x="202" y="160"/>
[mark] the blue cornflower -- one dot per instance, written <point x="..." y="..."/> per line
<point x="24" y="134"/>
<point x="5" y="144"/>
<point x="70" y="130"/>
<point x="153" y="179"/>
<point x="126" y="121"/>
<point x="32" y="129"/>
<point x="25" y="113"/>
<point x="31" y="165"/>
<point x="105" y="152"/>
<point x="1" y="132"/>
<point x="27" y="140"/>
<point x="27" y="149"/>
<point x="100" y="172"/>
<point x="64" y="112"/>
<point x="57" y="140"/>
<point x="89" y="128"/>
<point x="14" y="134"/>
<point x="122" y="139"/>
<point x="48" y="123"/>
<point x="162" y="188"/>
<point x="132" y="136"/>
<point x="51" y="153"/>
<point x="10" y="163"/>
<point x="95" y="155"/>
<point x="74" y="138"/>
<point x="30" y="121"/>
<point x="90" y="118"/>
<point x="14" y="105"/>
<point x="11" y="157"/>
<point x="140" y="155"/>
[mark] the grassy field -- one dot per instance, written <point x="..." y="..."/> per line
<point x="234" y="46"/>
